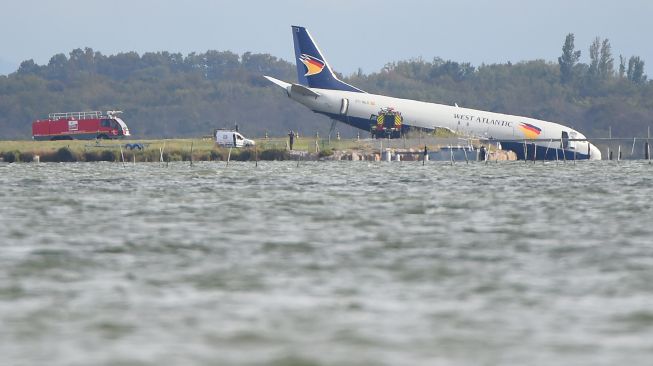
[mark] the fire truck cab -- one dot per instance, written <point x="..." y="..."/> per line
<point x="386" y="124"/>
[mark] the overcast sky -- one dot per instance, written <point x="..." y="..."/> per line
<point x="353" y="34"/>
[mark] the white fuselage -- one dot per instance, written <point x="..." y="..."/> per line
<point x="465" y="121"/>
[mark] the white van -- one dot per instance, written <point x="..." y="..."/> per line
<point x="228" y="138"/>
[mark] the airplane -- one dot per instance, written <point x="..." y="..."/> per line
<point x="320" y="90"/>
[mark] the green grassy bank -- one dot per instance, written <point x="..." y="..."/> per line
<point x="168" y="150"/>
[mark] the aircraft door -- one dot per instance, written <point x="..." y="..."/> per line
<point x="344" y="106"/>
<point x="565" y="140"/>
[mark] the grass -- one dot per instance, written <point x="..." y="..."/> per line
<point x="180" y="149"/>
<point x="173" y="150"/>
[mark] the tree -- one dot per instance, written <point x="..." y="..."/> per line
<point x="636" y="70"/>
<point x="568" y="59"/>
<point x="28" y="67"/>
<point x="595" y="49"/>
<point x="57" y="66"/>
<point x="622" y="66"/>
<point x="606" y="61"/>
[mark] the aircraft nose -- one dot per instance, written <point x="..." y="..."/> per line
<point x="595" y="153"/>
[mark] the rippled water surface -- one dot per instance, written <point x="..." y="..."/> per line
<point x="326" y="263"/>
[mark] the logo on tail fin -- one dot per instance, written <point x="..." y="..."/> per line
<point x="529" y="130"/>
<point x="313" y="65"/>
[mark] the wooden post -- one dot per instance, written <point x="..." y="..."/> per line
<point x="646" y="156"/>
<point x="589" y="151"/>
<point x="451" y="154"/>
<point x="122" y="156"/>
<point x="632" y="151"/>
<point x="546" y="152"/>
<point x="497" y="154"/>
<point x="610" y="141"/>
<point x="425" y="155"/>
<point x="534" y="153"/>
<point x="161" y="152"/>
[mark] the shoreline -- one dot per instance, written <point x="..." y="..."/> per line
<point x="271" y="149"/>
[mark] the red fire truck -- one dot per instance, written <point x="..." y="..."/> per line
<point x="80" y="126"/>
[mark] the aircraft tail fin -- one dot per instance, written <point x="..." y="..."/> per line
<point x="312" y="68"/>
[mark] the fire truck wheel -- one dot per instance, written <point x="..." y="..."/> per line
<point x="103" y="137"/>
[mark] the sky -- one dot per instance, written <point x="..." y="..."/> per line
<point x="352" y="34"/>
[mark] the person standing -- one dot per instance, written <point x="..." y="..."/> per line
<point x="291" y="138"/>
<point x="426" y="154"/>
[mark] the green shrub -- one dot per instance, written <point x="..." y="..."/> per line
<point x="243" y="155"/>
<point x="153" y="155"/>
<point x="172" y="156"/>
<point x="26" y="157"/>
<point x="108" y="155"/>
<point x="48" y="156"/>
<point x="184" y="155"/>
<point x="201" y="156"/>
<point x="216" y="155"/>
<point x="325" y="153"/>
<point x="11" y="156"/>
<point x="91" y="156"/>
<point x="274" y="154"/>
<point x="64" y="154"/>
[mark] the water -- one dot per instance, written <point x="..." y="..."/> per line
<point x="326" y="263"/>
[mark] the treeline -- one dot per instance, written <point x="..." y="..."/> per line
<point x="171" y="95"/>
<point x="162" y="94"/>
<point x="593" y="98"/>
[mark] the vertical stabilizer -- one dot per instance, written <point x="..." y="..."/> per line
<point x="312" y="68"/>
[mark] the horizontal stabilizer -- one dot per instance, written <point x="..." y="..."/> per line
<point x="282" y="84"/>
<point x="294" y="88"/>
<point x="300" y="89"/>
